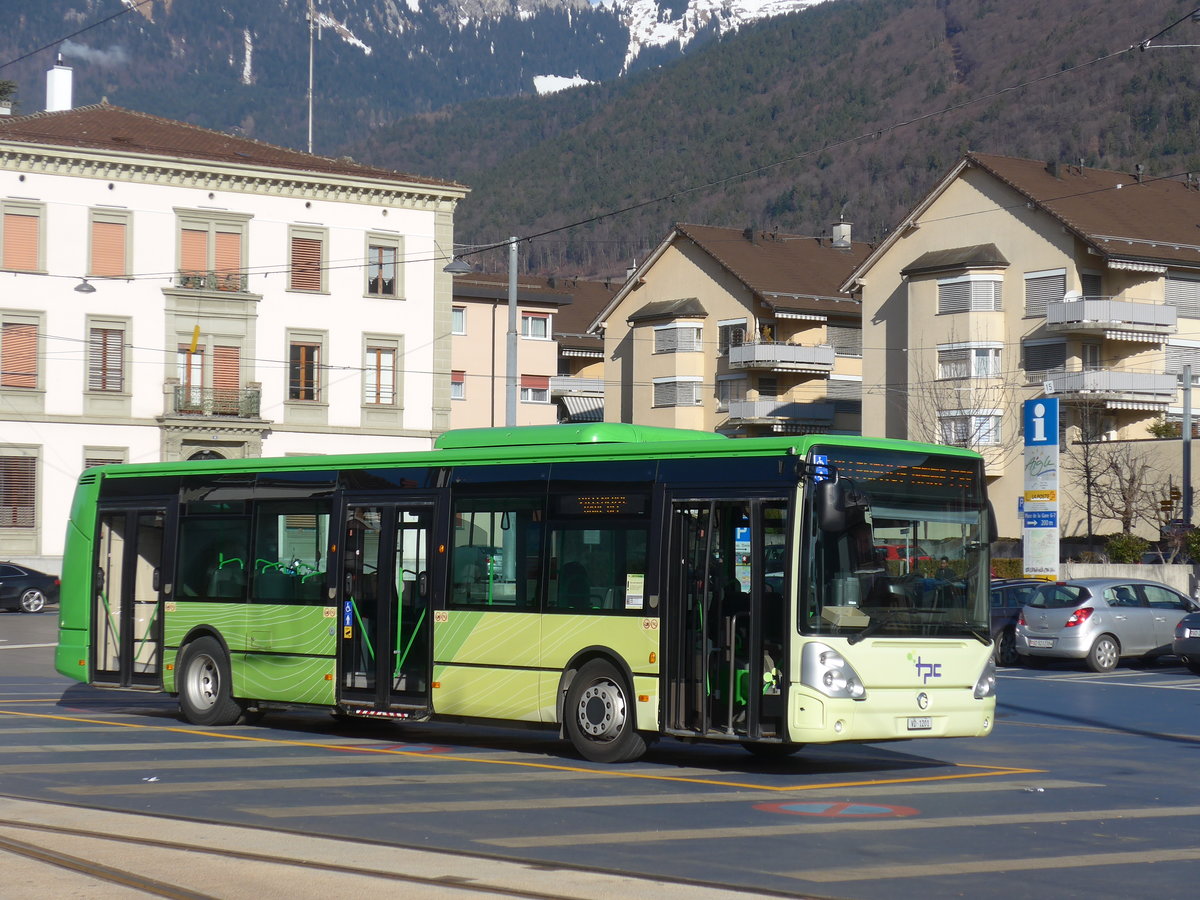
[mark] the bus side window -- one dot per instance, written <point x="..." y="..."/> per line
<point x="212" y="557"/>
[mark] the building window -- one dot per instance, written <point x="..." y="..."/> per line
<point x="845" y="340"/>
<point x="379" y="376"/>
<point x="676" y="338"/>
<point x="968" y="362"/>
<point x="21" y="237"/>
<point x="106" y="359"/>
<point x="1041" y="359"/>
<point x="18" y="351"/>
<point x="104" y="456"/>
<point x="1179" y="355"/>
<point x="383" y="266"/>
<point x="458" y="320"/>
<point x="306" y="260"/>
<point x="108" y="244"/>
<point x="535" y="388"/>
<point x="1184" y="293"/>
<point x="458" y="386"/>
<point x="730" y="334"/>
<point x="212" y="251"/>
<point x="1043" y="288"/>
<point x="970" y="429"/>
<point x="970" y="293"/>
<point x="535" y="325"/>
<point x="730" y="390"/>
<point x="677" y="391"/>
<point x="18" y="490"/>
<point x="304" y="370"/>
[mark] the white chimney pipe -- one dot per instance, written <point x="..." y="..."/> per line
<point x="841" y="235"/>
<point x="58" y="88"/>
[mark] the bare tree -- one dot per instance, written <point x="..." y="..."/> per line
<point x="1119" y="480"/>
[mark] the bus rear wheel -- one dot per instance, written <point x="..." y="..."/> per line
<point x="600" y="719"/>
<point x="205" y="684"/>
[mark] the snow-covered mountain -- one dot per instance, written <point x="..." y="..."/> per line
<point x="243" y="64"/>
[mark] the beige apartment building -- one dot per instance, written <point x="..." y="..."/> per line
<point x="1014" y="279"/>
<point x="741" y="332"/>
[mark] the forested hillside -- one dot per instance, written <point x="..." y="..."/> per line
<point x="787" y="96"/>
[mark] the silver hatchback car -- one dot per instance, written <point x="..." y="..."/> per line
<point x="1100" y="620"/>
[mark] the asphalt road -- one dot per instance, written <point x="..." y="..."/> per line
<point x="1086" y="789"/>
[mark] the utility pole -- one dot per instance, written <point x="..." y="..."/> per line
<point x="1187" y="446"/>
<point x="510" y="384"/>
<point x="312" y="25"/>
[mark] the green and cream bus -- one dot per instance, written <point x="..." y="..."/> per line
<point x="617" y="582"/>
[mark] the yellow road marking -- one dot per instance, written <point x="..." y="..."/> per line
<point x="987" y="771"/>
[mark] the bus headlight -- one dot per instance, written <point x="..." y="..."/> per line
<point x="823" y="669"/>
<point x="986" y="685"/>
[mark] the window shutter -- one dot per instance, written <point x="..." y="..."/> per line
<point x="226" y="377"/>
<point x="227" y="251"/>
<point x="108" y="249"/>
<point x="193" y="251"/>
<point x="954" y="297"/>
<point x="1092" y="284"/>
<point x="1041" y="290"/>
<point x="106" y="369"/>
<point x="845" y="341"/>
<point x="18" y="478"/>
<point x="665" y="393"/>
<point x="306" y="264"/>
<point x="954" y="363"/>
<point x="1044" y="357"/>
<point x="21" y="242"/>
<point x="18" y="355"/>
<point x="1185" y="294"/>
<point x="536" y="382"/>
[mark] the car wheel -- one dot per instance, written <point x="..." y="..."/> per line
<point x="600" y="717"/>
<point x="33" y="601"/>
<point x="1193" y="665"/>
<point x="1104" y="654"/>
<point x="205" y="684"/>
<point x="1006" y="648"/>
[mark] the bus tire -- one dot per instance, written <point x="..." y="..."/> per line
<point x="768" y="751"/>
<point x="205" y="684"/>
<point x="600" y="719"/>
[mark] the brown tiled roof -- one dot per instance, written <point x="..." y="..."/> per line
<point x="979" y="256"/>
<point x="112" y="128"/>
<point x="1154" y="219"/>
<point x="533" y="289"/>
<point x="788" y="270"/>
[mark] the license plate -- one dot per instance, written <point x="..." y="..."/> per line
<point x="920" y="723"/>
<point x="1191" y="632"/>
<point x="1040" y="642"/>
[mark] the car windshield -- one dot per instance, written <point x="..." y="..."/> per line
<point x="1057" y="596"/>
<point x="908" y="558"/>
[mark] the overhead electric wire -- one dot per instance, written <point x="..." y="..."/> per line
<point x="67" y="37"/>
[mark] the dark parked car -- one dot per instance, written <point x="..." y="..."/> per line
<point x="1187" y="641"/>
<point x="1008" y="595"/>
<point x="26" y="589"/>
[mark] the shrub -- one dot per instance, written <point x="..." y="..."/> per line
<point x="1126" y="548"/>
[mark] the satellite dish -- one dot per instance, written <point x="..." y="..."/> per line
<point x="1071" y="296"/>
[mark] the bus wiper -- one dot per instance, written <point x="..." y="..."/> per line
<point x="871" y="629"/>
<point x="974" y="632"/>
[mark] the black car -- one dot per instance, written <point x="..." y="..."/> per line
<point x="1008" y="597"/>
<point x="26" y="589"/>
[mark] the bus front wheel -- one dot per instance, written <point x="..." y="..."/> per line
<point x="205" y="684"/>
<point x="600" y="719"/>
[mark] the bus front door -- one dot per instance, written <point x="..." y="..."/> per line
<point x="127" y="597"/>
<point x="725" y="618"/>
<point x="384" y="649"/>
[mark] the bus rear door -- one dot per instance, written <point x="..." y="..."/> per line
<point x="127" y="596"/>
<point x="385" y="631"/>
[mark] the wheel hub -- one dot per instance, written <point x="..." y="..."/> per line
<point x="602" y="711"/>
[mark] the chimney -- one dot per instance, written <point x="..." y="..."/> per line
<point x="58" y="87"/>
<point x="748" y="234"/>
<point x="5" y="109"/>
<point x="1052" y="167"/>
<point x="841" y="235"/>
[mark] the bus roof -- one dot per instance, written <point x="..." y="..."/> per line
<point x="534" y="443"/>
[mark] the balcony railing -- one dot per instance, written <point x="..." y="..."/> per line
<point x="239" y="404"/>
<point x="814" y="413"/>
<point x="1108" y="313"/>
<point x="1105" y="384"/>
<point x="574" y="384"/>
<point x="779" y="355"/>
<point x="232" y="282"/>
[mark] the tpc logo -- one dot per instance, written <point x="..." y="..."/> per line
<point x="925" y="670"/>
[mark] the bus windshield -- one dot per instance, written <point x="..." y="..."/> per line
<point x="896" y="545"/>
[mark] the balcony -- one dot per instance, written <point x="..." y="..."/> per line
<point x="227" y="282"/>
<point x="1118" y="390"/>
<point x="217" y="402"/>
<point x="778" y="356"/>
<point x="573" y="384"/>
<point x="786" y="416"/>
<point x="1115" y="319"/>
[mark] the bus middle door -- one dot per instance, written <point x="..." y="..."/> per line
<point x="384" y="648"/>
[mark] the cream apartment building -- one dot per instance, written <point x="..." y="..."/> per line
<point x="741" y="332"/>
<point x="1015" y="279"/>
<point x="169" y="292"/>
